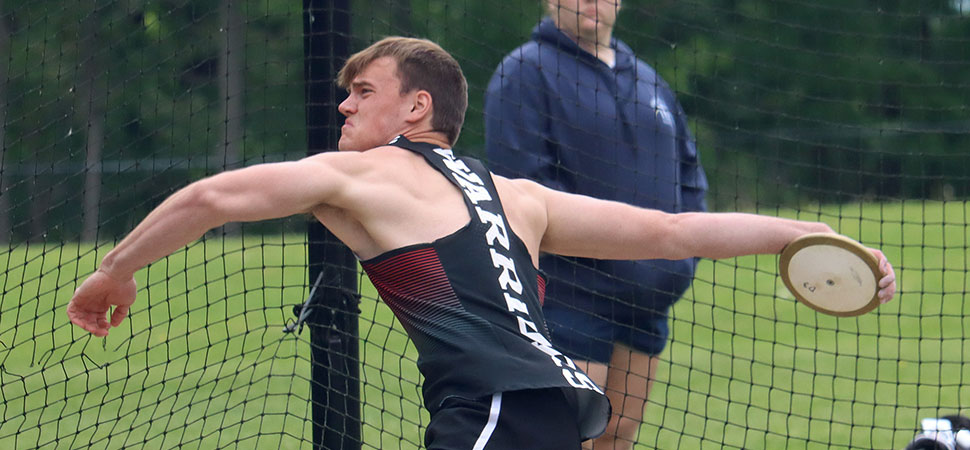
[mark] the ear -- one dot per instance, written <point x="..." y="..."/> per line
<point x="421" y="106"/>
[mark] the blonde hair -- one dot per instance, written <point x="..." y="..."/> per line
<point x="421" y="65"/>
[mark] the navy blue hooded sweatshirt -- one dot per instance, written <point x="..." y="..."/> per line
<point x="556" y="114"/>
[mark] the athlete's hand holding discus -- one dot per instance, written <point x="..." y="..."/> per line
<point x="887" y="284"/>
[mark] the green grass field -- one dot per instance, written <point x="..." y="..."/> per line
<point x="203" y="361"/>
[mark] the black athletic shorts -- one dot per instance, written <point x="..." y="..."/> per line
<point x="537" y="419"/>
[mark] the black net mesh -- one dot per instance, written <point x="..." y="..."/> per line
<point x="850" y="112"/>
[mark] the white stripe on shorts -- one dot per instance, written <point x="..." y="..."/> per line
<point x="492" y="422"/>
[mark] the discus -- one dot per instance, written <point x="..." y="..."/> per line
<point x="831" y="274"/>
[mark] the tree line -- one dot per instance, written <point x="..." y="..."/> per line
<point x="108" y="106"/>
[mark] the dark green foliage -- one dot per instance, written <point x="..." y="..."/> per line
<point x="791" y="101"/>
<point x="837" y="98"/>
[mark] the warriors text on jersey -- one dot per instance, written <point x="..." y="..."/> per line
<point x="471" y="303"/>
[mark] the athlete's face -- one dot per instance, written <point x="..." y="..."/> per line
<point x="590" y="20"/>
<point x="375" y="108"/>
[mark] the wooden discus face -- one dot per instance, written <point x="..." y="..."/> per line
<point x="831" y="274"/>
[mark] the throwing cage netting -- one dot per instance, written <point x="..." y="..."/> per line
<point x="850" y="112"/>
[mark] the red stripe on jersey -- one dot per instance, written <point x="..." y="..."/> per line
<point x="542" y="289"/>
<point x="413" y="281"/>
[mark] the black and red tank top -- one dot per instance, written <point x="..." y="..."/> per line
<point x="471" y="303"/>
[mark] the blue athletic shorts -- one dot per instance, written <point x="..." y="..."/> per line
<point x="592" y="305"/>
<point x="589" y="335"/>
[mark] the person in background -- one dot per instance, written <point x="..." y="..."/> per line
<point x="577" y="111"/>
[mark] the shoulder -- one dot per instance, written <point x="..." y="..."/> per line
<point x="536" y="64"/>
<point x="536" y="54"/>
<point x="366" y="166"/>
<point x="524" y="202"/>
<point x="523" y="61"/>
<point x="360" y="180"/>
<point x="622" y="47"/>
<point x="645" y="73"/>
<point x="525" y="53"/>
<point x="520" y="70"/>
<point x="643" y="70"/>
<point x="358" y="159"/>
<point x="522" y="191"/>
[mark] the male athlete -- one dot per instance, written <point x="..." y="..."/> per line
<point x="452" y="249"/>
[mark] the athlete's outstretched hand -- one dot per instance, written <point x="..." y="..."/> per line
<point x="94" y="298"/>
<point x="887" y="284"/>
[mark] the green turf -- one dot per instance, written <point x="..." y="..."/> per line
<point x="748" y="367"/>
<point x="204" y="363"/>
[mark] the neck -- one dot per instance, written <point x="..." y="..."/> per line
<point x="428" y="136"/>
<point x="600" y="49"/>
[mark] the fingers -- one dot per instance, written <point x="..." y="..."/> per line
<point x="119" y="314"/>
<point x="96" y="322"/>
<point x="887" y="284"/>
<point x="102" y="321"/>
<point x="887" y="287"/>
<point x="90" y="321"/>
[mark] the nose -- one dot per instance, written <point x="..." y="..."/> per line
<point x="346" y="107"/>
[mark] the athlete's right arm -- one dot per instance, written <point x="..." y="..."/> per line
<point x="582" y="226"/>
<point x="592" y="228"/>
<point x="260" y="192"/>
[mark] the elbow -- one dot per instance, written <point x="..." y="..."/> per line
<point x="204" y="201"/>
<point x="675" y="239"/>
<point x="198" y="195"/>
